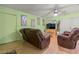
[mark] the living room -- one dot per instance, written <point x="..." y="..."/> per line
<point x="47" y="21"/>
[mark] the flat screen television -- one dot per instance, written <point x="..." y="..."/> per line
<point x="50" y="26"/>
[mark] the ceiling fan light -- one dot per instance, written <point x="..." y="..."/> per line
<point x="55" y="11"/>
<point x="55" y="14"/>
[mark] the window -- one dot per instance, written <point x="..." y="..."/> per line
<point x="33" y="23"/>
<point x="23" y="21"/>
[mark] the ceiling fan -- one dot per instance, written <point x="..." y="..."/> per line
<point x="57" y="10"/>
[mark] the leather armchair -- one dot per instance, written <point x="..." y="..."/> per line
<point x="35" y="37"/>
<point x="69" y="41"/>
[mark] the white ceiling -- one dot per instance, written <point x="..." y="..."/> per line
<point x="44" y="9"/>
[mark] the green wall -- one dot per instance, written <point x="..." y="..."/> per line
<point x="10" y="24"/>
<point x="68" y="16"/>
<point x="65" y="16"/>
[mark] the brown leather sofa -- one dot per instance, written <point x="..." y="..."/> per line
<point x="35" y="37"/>
<point x="69" y="39"/>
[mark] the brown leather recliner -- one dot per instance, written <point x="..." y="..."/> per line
<point x="35" y="37"/>
<point x="69" y="40"/>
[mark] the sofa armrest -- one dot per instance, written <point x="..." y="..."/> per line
<point x="76" y="37"/>
<point x="66" y="33"/>
<point x="46" y="35"/>
<point x="62" y="37"/>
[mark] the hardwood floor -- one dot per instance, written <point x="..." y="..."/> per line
<point x="23" y="47"/>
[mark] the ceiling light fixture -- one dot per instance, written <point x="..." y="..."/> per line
<point x="55" y="12"/>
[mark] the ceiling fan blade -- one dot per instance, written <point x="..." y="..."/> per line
<point x="60" y="9"/>
<point x="50" y="12"/>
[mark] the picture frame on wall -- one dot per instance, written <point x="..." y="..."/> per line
<point x="38" y="20"/>
<point x="33" y="23"/>
<point x="23" y="21"/>
<point x="43" y="22"/>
